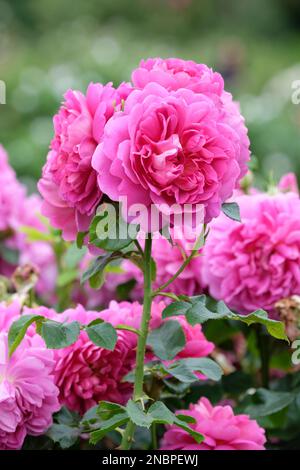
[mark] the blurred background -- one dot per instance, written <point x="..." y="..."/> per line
<point x="47" y="46"/>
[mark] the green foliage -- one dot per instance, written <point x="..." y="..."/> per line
<point x="59" y="335"/>
<point x="167" y="340"/>
<point x="197" y="311"/>
<point x="103" y="335"/>
<point x="232" y="210"/>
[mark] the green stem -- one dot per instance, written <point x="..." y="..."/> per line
<point x="142" y="342"/>
<point x="154" y="437"/>
<point x="264" y="349"/>
<point x="175" y="276"/>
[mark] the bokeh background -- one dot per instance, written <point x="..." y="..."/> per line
<point x="47" y="46"/>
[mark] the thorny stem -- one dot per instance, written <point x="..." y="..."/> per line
<point x="142" y="342"/>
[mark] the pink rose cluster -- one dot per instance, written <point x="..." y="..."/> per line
<point x="253" y="264"/>
<point x="87" y="374"/>
<point x="175" y="137"/>
<point x="69" y="183"/>
<point x="222" y="430"/>
<point x="18" y="210"/>
<point x="28" y="394"/>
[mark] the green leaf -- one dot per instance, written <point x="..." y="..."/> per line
<point x="73" y="256"/>
<point x="167" y="340"/>
<point x="184" y="369"/>
<point x="232" y="210"/>
<point x="197" y="312"/>
<point x="124" y="290"/>
<point x="9" y="255"/>
<point x="107" y="410"/>
<point x="68" y="417"/>
<point x="18" y="330"/>
<point x="268" y="402"/>
<point x="59" y="335"/>
<point x="176" y="308"/>
<point x="66" y="436"/>
<point x="115" y="422"/>
<point x="103" y="335"/>
<point x="161" y="414"/>
<point x="67" y="277"/>
<point x="110" y="232"/>
<point x="137" y="415"/>
<point x="80" y="239"/>
<point x="98" y="265"/>
<point x="186" y="418"/>
<point x="35" y="235"/>
<point x="153" y="270"/>
<point x="183" y="425"/>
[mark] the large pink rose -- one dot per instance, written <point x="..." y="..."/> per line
<point x="174" y="74"/>
<point x="171" y="147"/>
<point x="68" y="184"/>
<point x="28" y="395"/>
<point x="222" y="430"/>
<point x="253" y="264"/>
<point x="177" y="73"/>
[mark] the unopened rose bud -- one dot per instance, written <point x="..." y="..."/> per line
<point x="289" y="312"/>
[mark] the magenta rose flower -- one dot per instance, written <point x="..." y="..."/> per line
<point x="86" y="373"/>
<point x="174" y="74"/>
<point x="12" y="194"/>
<point x="28" y="395"/>
<point x="69" y="183"/>
<point x="177" y="73"/>
<point x="172" y="148"/>
<point x="253" y="264"/>
<point x="9" y="312"/>
<point x="222" y="430"/>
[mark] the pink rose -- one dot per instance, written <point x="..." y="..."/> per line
<point x="172" y="147"/>
<point x="222" y="430"/>
<point x="68" y="184"/>
<point x="253" y="264"/>
<point x="12" y="194"/>
<point x="289" y="183"/>
<point x="177" y="73"/>
<point x="28" y="395"/>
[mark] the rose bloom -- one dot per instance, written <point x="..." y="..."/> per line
<point x="86" y="373"/>
<point x="9" y="312"/>
<point x="68" y="184"/>
<point x="28" y="395"/>
<point x="222" y="430"/>
<point x="38" y="254"/>
<point x="173" y="146"/>
<point x="12" y="194"/>
<point x="253" y="264"/>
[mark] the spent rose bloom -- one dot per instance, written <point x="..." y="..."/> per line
<point x="28" y="395"/>
<point x="222" y="430"/>
<point x="253" y="264"/>
<point x="173" y="147"/>
<point x="69" y="183"/>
